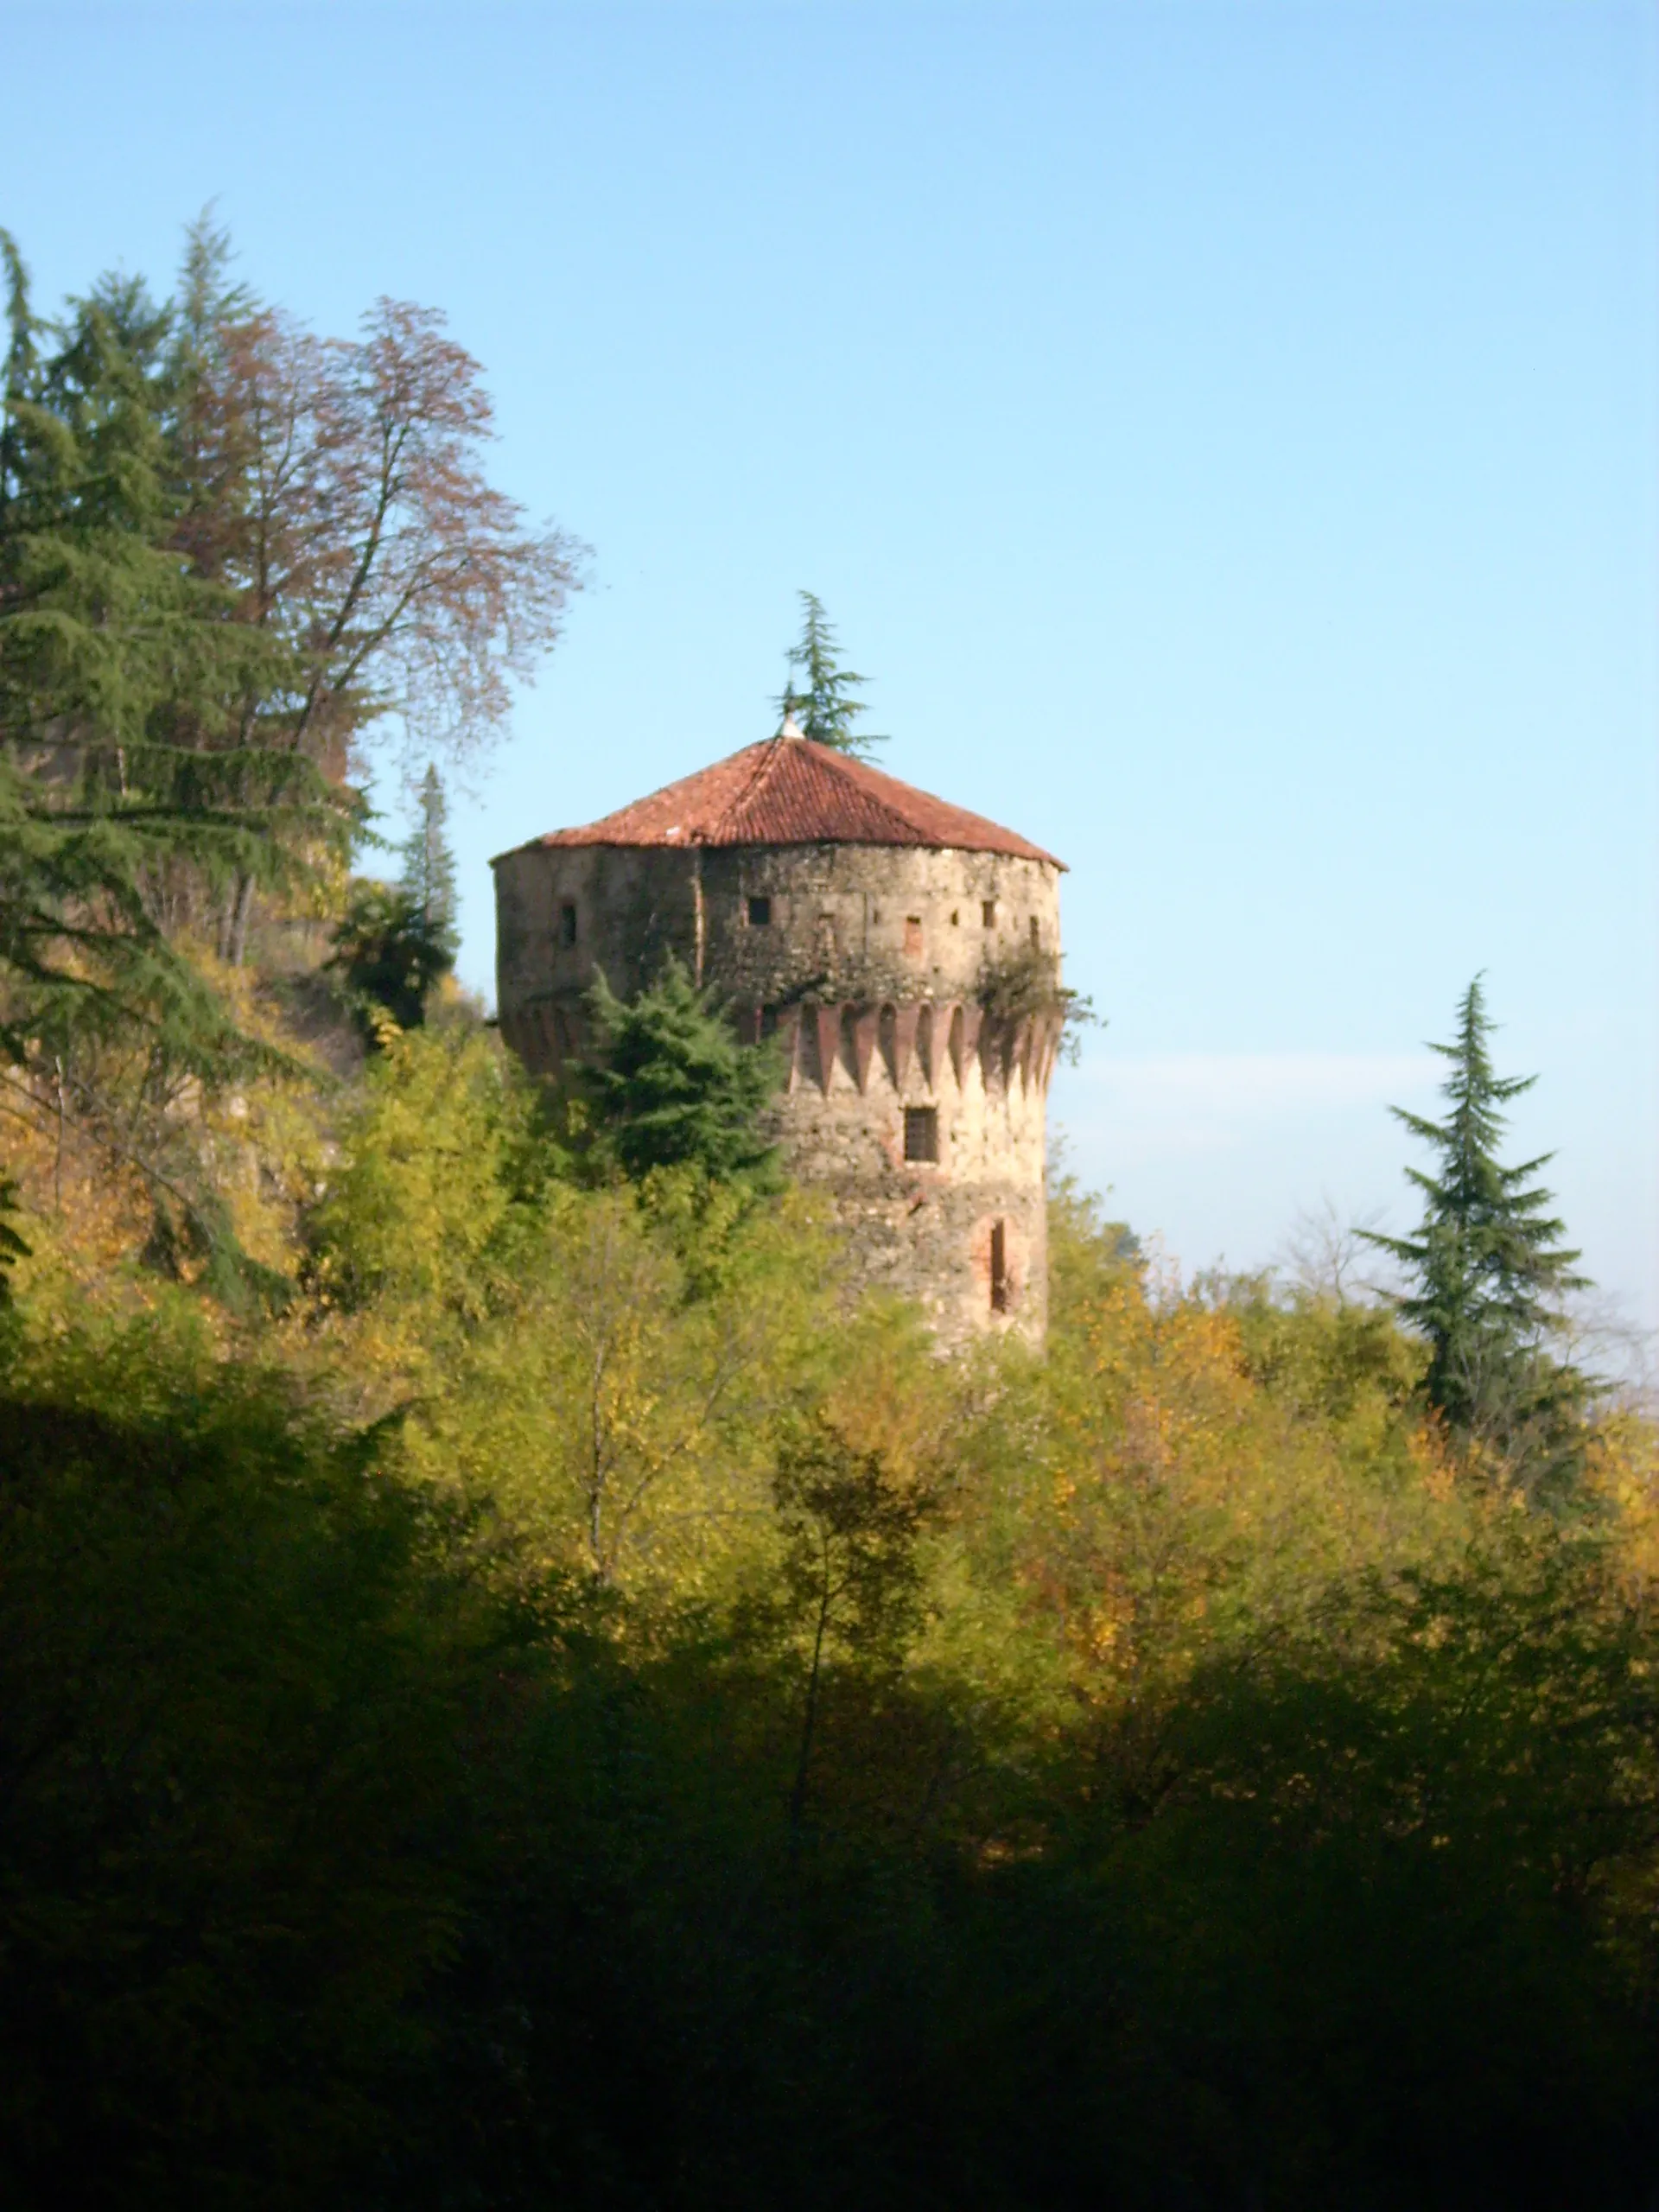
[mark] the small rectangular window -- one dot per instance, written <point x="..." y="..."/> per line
<point x="567" y="924"/>
<point x="988" y="913"/>
<point x="914" y="936"/>
<point x="998" y="1268"/>
<point x="759" y="913"/>
<point x="1036" y="931"/>
<point x="921" y="1133"/>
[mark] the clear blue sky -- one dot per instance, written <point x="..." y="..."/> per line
<point x="1226" y="433"/>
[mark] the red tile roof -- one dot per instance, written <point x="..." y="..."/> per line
<point x="787" y="791"/>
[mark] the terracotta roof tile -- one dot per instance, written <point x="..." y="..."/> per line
<point x="787" y="791"/>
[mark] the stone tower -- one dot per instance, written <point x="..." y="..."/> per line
<point x="904" y="952"/>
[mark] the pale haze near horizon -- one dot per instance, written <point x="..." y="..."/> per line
<point x="1226" y="436"/>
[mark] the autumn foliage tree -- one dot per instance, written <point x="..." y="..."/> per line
<point x="336" y="488"/>
<point x="235" y="558"/>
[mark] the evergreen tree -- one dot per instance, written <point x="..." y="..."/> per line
<point x="119" y="766"/>
<point x="827" y="705"/>
<point x="672" y="1086"/>
<point x="428" y="878"/>
<point x="388" y="956"/>
<point x="1487" y="1266"/>
<point x="130" y="787"/>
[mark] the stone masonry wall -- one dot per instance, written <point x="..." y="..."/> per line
<point x="876" y="967"/>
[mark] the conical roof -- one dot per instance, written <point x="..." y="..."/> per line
<point x="789" y="790"/>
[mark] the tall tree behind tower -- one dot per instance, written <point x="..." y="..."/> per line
<point x="428" y="878"/>
<point x="827" y="705"/>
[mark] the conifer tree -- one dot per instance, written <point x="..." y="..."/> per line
<point x="1487" y="1268"/>
<point x="428" y="878"/>
<point x="123" y="766"/>
<point x="827" y="705"/>
<point x="395" y="941"/>
<point x="671" y="1084"/>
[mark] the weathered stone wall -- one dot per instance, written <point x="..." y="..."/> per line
<point x="893" y="977"/>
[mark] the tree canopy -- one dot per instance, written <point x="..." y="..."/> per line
<point x="672" y="1085"/>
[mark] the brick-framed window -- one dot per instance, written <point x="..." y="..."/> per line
<point x="921" y="1133"/>
<point x="999" y="1267"/>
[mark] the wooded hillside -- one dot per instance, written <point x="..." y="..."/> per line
<point x="517" y="1687"/>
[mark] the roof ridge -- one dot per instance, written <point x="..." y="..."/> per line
<point x="795" y="791"/>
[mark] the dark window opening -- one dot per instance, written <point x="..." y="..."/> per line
<point x="759" y="913"/>
<point x="914" y="935"/>
<point x="921" y="1133"/>
<point x="1036" y="931"/>
<point x="998" y="1268"/>
<point x="955" y="918"/>
<point x="567" y="924"/>
<point x="988" y="913"/>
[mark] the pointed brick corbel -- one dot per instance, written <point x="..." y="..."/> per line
<point x="973" y="1020"/>
<point x="906" y="1021"/>
<point x="788" y="1033"/>
<point x="1008" y="1048"/>
<point x="887" y="1037"/>
<point x="828" y="1022"/>
<point x="863" y="1023"/>
<point x="965" y="1028"/>
<point x="1025" y="1045"/>
<point x="932" y="1029"/>
<point x="990" y="1049"/>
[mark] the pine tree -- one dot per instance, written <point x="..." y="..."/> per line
<point x="827" y="707"/>
<point x="672" y="1086"/>
<point x="1487" y="1266"/>
<point x="429" y="877"/>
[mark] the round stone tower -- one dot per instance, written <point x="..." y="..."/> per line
<point x="905" y="953"/>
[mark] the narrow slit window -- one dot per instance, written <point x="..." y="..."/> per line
<point x="759" y="913"/>
<point x="567" y="924"/>
<point x="998" y="1268"/>
<point x="921" y="1133"/>
<point x="914" y="936"/>
<point x="988" y="913"/>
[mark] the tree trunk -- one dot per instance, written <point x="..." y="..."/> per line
<point x="241" y="912"/>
